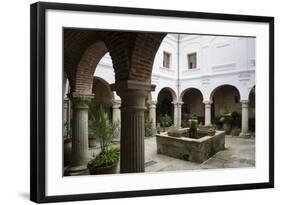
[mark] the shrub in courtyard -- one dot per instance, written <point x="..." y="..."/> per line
<point x="148" y="128"/>
<point x="174" y="132"/>
<point x="165" y="120"/>
<point x="211" y="130"/>
<point x="228" y="118"/>
<point x="235" y="131"/>
<point x="193" y="126"/>
<point x="106" y="161"/>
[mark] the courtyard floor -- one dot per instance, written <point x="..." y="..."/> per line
<point x="239" y="152"/>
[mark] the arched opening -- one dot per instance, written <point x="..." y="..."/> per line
<point x="164" y="103"/>
<point x="102" y="92"/>
<point x="192" y="106"/>
<point x="252" y="107"/>
<point x="225" y="98"/>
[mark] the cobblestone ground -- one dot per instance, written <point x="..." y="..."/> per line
<point x="239" y="152"/>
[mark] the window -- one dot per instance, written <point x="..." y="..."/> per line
<point x="192" y="61"/>
<point x="166" y="60"/>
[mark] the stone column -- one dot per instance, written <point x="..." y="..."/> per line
<point x="177" y="113"/>
<point x="79" y="154"/>
<point x="152" y="112"/>
<point x="133" y="95"/>
<point x="116" y="114"/>
<point x="65" y="117"/>
<point x="208" y="104"/>
<point x="245" y="118"/>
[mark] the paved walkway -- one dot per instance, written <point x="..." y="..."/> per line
<point x="239" y="152"/>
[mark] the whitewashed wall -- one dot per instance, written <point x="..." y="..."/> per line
<point x="220" y="60"/>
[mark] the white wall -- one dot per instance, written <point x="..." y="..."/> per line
<point x="14" y="104"/>
<point x="220" y="60"/>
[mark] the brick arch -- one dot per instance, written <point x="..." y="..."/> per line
<point x="87" y="65"/>
<point x="143" y="54"/>
<point x="132" y="55"/>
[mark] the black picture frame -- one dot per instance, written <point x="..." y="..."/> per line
<point x="38" y="100"/>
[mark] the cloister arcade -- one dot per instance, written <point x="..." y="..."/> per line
<point x="124" y="84"/>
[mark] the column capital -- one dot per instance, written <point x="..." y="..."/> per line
<point x="208" y="102"/>
<point x="132" y="93"/>
<point x="80" y="100"/>
<point x="152" y="103"/>
<point x="132" y="85"/>
<point x="116" y="104"/>
<point x="177" y="102"/>
<point x="244" y="101"/>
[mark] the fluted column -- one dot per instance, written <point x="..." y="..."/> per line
<point x="245" y="118"/>
<point x="116" y="114"/>
<point x="79" y="154"/>
<point x="152" y="112"/>
<point x="65" y="117"/>
<point x="208" y="104"/>
<point x="133" y="95"/>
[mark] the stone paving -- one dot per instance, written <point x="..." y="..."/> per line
<point x="239" y="152"/>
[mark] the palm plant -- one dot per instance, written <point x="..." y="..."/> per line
<point x="228" y="118"/>
<point x="106" y="131"/>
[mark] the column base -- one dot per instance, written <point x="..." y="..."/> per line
<point x="245" y="135"/>
<point x="76" y="170"/>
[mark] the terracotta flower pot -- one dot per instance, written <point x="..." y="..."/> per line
<point x="103" y="170"/>
<point x="227" y="128"/>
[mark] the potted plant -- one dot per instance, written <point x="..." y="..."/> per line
<point x="235" y="131"/>
<point x="106" y="161"/>
<point x="211" y="130"/>
<point x="193" y="126"/>
<point x="174" y="132"/>
<point x="165" y="121"/>
<point x="227" y="118"/>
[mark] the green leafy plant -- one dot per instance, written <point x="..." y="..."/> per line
<point x="228" y="118"/>
<point x="193" y="117"/>
<point x="193" y="126"/>
<point x="211" y="130"/>
<point x="105" y="159"/>
<point x="148" y="128"/>
<point x="106" y="131"/>
<point x="235" y="131"/>
<point x="173" y="130"/>
<point x="165" y="120"/>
